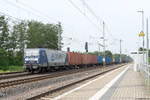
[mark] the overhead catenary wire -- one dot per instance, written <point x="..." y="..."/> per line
<point x="19" y="19"/>
<point x="8" y="15"/>
<point x="100" y="20"/>
<point x="97" y="18"/>
<point x="90" y="10"/>
<point x="33" y="9"/>
<point x="75" y="6"/>
<point x="94" y="14"/>
<point x="45" y="15"/>
<point x="28" y="10"/>
<point x="1" y="13"/>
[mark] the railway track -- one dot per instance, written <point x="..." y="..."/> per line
<point x="39" y="83"/>
<point x="13" y="75"/>
<point x="36" y="78"/>
<point x="22" y="73"/>
<point x="9" y="73"/>
<point x="70" y="84"/>
<point x="40" y="77"/>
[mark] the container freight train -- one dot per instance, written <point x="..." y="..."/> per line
<point x="41" y="59"/>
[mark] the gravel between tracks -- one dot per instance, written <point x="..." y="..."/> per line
<point x="24" y="91"/>
<point x="13" y="75"/>
<point x="9" y="73"/>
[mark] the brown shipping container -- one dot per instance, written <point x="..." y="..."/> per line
<point x="93" y="59"/>
<point x="74" y="58"/>
<point x="89" y="59"/>
<point x="84" y="59"/>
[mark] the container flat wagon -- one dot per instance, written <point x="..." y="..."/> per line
<point x="42" y="59"/>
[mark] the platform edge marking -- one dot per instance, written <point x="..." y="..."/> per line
<point x="102" y="91"/>
<point x="75" y="89"/>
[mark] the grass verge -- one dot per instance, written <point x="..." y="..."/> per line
<point x="4" y="69"/>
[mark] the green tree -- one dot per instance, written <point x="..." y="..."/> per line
<point x="42" y="35"/>
<point x="59" y="29"/>
<point x="116" y="55"/>
<point x="4" y="33"/>
<point x="13" y="39"/>
<point x="21" y="29"/>
<point x="4" y="41"/>
<point x="108" y="53"/>
<point x="14" y="36"/>
<point x="96" y="53"/>
<point x="4" y="60"/>
<point x="17" y="42"/>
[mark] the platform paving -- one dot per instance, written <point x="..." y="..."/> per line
<point x="129" y="86"/>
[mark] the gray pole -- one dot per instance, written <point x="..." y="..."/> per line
<point x="147" y="40"/>
<point x="104" y="41"/>
<point x="99" y="49"/>
<point x="120" y="50"/>
<point x="142" y="20"/>
<point x="143" y="36"/>
<point x="142" y="12"/>
<point x="147" y="47"/>
<point x="59" y="36"/>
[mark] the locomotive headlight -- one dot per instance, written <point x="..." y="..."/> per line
<point x="25" y="62"/>
<point x="34" y="67"/>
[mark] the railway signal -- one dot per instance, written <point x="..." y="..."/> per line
<point x="86" y="46"/>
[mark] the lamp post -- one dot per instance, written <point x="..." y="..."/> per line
<point x="142" y="31"/>
<point x="147" y="41"/>
<point x="104" y="43"/>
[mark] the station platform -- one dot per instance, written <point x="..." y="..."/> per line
<point x="120" y="84"/>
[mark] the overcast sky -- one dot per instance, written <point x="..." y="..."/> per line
<point x="121" y="18"/>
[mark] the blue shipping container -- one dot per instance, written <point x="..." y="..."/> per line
<point x="100" y="59"/>
<point x="108" y="60"/>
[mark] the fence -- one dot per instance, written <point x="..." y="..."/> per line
<point x="142" y="65"/>
<point x="145" y="69"/>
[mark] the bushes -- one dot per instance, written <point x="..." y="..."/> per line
<point x="11" y="68"/>
<point x="4" y="59"/>
<point x="9" y="61"/>
<point x="18" y="59"/>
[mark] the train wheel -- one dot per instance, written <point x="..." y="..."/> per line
<point x="32" y="71"/>
<point x="27" y="70"/>
<point x="44" y="69"/>
<point x="39" y="70"/>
